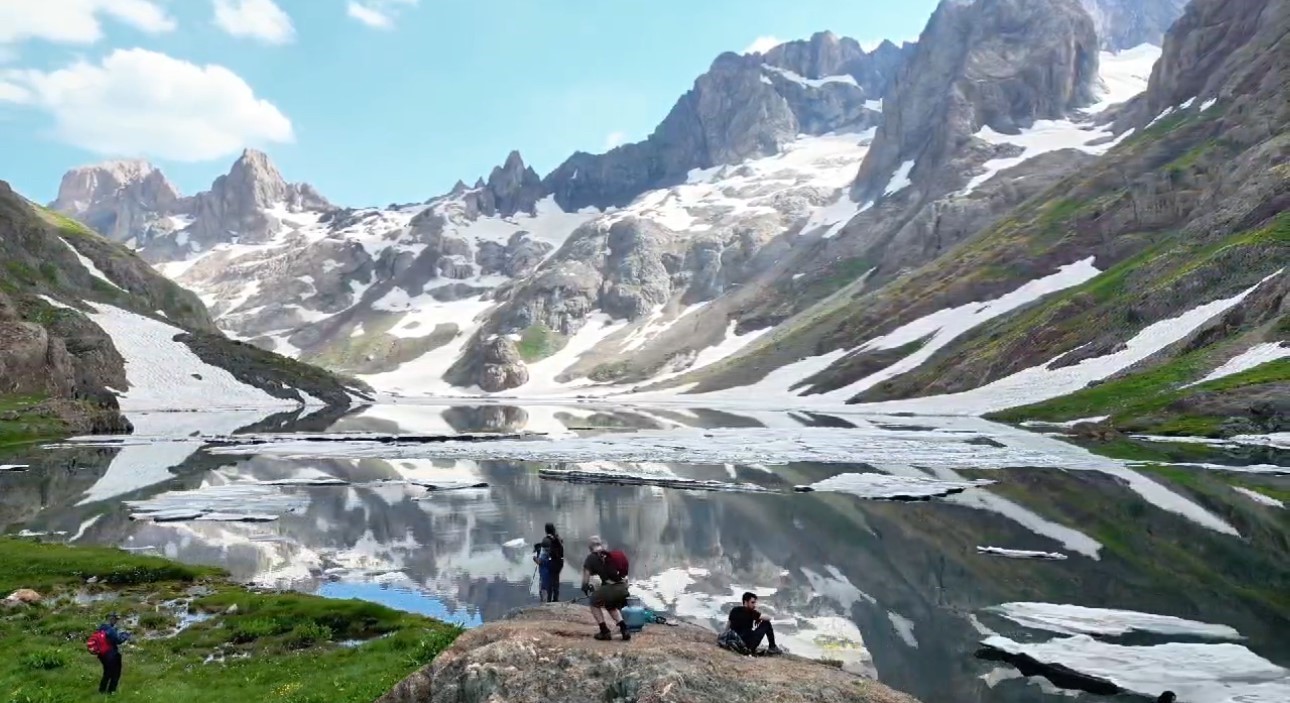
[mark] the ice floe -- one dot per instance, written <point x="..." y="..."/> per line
<point x="1021" y="553"/>
<point x="228" y="502"/>
<point x="1197" y="673"/>
<point x="741" y="446"/>
<point x="634" y="477"/>
<point x="1081" y="620"/>
<point x="14" y="467"/>
<point x="884" y="487"/>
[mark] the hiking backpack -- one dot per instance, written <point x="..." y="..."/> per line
<point x="98" y="644"/>
<point x="617" y="562"/>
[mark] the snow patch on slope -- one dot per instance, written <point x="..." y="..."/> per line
<point x="166" y="374"/>
<point x="1042" y="382"/>
<point x="89" y="265"/>
<point x="1256" y="355"/>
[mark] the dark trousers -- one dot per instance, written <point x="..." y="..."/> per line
<point x="553" y="580"/>
<point x="111" y="671"/>
<point x="753" y="637"/>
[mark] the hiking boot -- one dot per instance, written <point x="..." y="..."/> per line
<point x="604" y="636"/>
<point x="773" y="651"/>
<point x="622" y="627"/>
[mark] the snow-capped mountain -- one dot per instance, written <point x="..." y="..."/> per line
<point x="817" y="220"/>
<point x="89" y="331"/>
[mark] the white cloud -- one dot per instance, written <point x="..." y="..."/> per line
<point x="614" y="139"/>
<point x="256" y="19"/>
<point x="142" y="103"/>
<point x="377" y="14"/>
<point x="76" y="21"/>
<point x="761" y="45"/>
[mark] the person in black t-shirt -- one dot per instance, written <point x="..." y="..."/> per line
<point x="549" y="556"/>
<point x="751" y="626"/>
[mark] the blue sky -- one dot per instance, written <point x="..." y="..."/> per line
<point x="368" y="114"/>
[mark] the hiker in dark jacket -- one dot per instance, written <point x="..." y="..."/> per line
<point x="612" y="594"/>
<point x="549" y="555"/>
<point x="111" y="660"/>
<point x="751" y="626"/>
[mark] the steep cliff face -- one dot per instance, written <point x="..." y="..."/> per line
<point x="744" y="106"/>
<point x="132" y="202"/>
<point x="1124" y="24"/>
<point x="1002" y="64"/>
<point x="123" y="200"/>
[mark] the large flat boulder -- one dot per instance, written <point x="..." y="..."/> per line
<point x="546" y="654"/>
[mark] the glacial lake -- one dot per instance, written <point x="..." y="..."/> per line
<point x="705" y="503"/>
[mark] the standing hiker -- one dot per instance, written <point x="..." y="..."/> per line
<point x="611" y="596"/>
<point x="106" y="643"/>
<point x="549" y="555"/>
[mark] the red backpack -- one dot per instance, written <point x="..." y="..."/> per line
<point x="98" y="644"/>
<point x="616" y="560"/>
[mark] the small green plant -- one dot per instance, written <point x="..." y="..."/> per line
<point x="434" y="642"/>
<point x="36" y="695"/>
<point x="308" y="634"/>
<point x="538" y="342"/>
<point x="49" y="271"/>
<point x="43" y="659"/>
<point x="253" y="629"/>
<point x="156" y="621"/>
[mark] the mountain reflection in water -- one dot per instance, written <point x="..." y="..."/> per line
<point x="896" y="588"/>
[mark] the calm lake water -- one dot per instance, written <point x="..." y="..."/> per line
<point x="891" y="588"/>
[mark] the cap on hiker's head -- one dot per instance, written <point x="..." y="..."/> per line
<point x="596" y="544"/>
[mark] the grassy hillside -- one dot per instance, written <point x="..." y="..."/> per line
<point x="196" y="636"/>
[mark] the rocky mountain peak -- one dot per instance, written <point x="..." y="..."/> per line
<point x="1124" y="24"/>
<point x="117" y="198"/>
<point x="253" y="177"/>
<point x="512" y="187"/>
<point x="997" y="63"/>
<point x="744" y="106"/>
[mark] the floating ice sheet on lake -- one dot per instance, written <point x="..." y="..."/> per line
<point x="228" y="502"/>
<point x="884" y="487"/>
<point x="768" y="446"/>
<point x="1021" y="553"/>
<point x="14" y="467"/>
<point x="1080" y="620"/>
<point x="629" y="477"/>
<point x="1198" y="673"/>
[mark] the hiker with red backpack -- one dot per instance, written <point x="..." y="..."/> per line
<point x="105" y="643"/>
<point x="611" y="595"/>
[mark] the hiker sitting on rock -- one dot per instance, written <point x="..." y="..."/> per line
<point x="751" y="626"/>
<point x="612" y="594"/>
